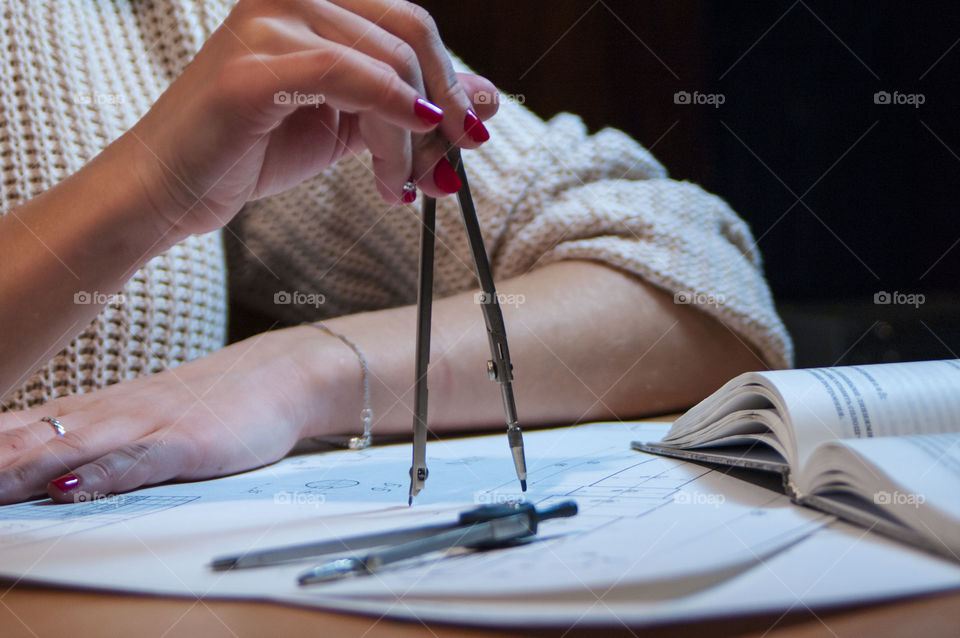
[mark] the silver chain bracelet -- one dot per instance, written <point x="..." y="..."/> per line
<point x="366" y="414"/>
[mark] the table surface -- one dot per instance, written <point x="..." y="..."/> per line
<point x="34" y="611"/>
<point x="27" y="611"/>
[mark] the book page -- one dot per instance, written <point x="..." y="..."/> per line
<point x="915" y="479"/>
<point x="859" y="402"/>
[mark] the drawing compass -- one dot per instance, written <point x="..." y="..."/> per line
<point x="499" y="367"/>
<point x="484" y="527"/>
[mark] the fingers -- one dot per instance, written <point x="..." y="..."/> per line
<point x="241" y="407"/>
<point x="153" y="459"/>
<point x="336" y="24"/>
<point x="336" y="76"/>
<point x="101" y="455"/>
<point x="16" y="441"/>
<point x="18" y="419"/>
<point x="414" y="26"/>
<point x="381" y="61"/>
<point x="432" y="172"/>
<point x="388" y="107"/>
<point x="391" y="146"/>
<point x="391" y="149"/>
<point x="57" y="407"/>
<point x="25" y="474"/>
<point x="29" y="433"/>
<point x="482" y="93"/>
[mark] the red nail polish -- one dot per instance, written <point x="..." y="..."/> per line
<point x="475" y="128"/>
<point x="66" y="483"/>
<point x="445" y="177"/>
<point x="429" y="113"/>
<point x="409" y="197"/>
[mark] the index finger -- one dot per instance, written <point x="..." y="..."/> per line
<point x="339" y="76"/>
<point x="414" y="25"/>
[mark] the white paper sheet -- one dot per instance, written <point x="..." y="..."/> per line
<point x="655" y="539"/>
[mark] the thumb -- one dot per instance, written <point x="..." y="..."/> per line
<point x="145" y="462"/>
<point x="482" y="93"/>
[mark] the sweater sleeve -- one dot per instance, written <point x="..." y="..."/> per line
<point x="604" y="198"/>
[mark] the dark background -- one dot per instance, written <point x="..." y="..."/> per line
<point x="848" y="198"/>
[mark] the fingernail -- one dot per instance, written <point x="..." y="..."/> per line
<point x="429" y="113"/>
<point x="445" y="177"/>
<point x="475" y="128"/>
<point x="66" y="483"/>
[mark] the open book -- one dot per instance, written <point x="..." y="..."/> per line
<point x="878" y="445"/>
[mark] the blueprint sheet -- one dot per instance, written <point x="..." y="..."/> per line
<point x="656" y="538"/>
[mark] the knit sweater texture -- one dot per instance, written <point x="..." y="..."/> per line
<point x="76" y="74"/>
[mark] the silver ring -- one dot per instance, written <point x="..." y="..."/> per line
<point x="55" y="422"/>
<point x="410" y="187"/>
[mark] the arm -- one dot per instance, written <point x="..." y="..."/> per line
<point x="88" y="234"/>
<point x="588" y="342"/>
<point x="220" y="135"/>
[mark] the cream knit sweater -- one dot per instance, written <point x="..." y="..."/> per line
<point x="75" y="74"/>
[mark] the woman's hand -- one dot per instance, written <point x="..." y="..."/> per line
<point x="242" y="407"/>
<point x="285" y="88"/>
<point x="231" y="128"/>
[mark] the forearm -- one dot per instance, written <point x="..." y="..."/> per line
<point x="587" y="342"/>
<point x="86" y="235"/>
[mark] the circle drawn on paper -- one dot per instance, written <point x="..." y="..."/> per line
<point x="332" y="484"/>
